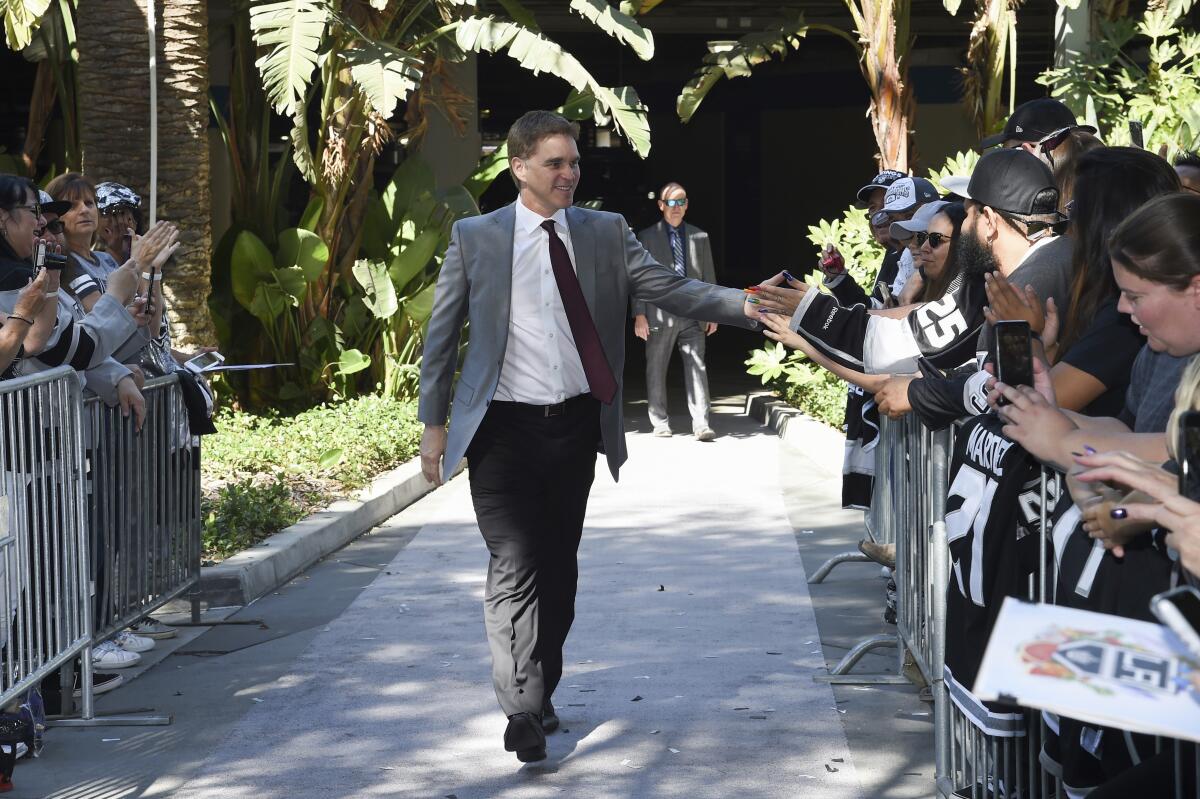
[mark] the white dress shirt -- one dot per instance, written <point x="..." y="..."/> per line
<point x="541" y="364"/>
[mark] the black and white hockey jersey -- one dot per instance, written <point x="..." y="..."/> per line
<point x="993" y="519"/>
<point x="944" y="331"/>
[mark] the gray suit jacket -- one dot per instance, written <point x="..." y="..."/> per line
<point x="475" y="286"/>
<point x="699" y="262"/>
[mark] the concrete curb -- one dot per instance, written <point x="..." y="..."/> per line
<point x="817" y="440"/>
<point x="263" y="568"/>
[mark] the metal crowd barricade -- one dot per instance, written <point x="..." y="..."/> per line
<point x="912" y="474"/>
<point x="144" y="513"/>
<point x="45" y="618"/>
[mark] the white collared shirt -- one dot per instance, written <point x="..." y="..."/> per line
<point x="541" y="365"/>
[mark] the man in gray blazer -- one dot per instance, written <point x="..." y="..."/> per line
<point x="686" y="248"/>
<point x="545" y="288"/>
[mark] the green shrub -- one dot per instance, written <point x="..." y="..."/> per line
<point x="244" y="513"/>
<point x="264" y="472"/>
<point x="346" y="442"/>
<point x="801" y="384"/>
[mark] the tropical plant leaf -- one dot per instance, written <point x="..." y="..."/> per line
<point x="292" y="282"/>
<point x="739" y="60"/>
<point x="380" y="293"/>
<point x="293" y="29"/>
<point x="269" y="303"/>
<point x="304" y="249"/>
<point x="302" y="151"/>
<point x="420" y="306"/>
<point x="490" y="167"/>
<point x="351" y="361"/>
<point x="250" y="263"/>
<point x="312" y="213"/>
<point x="330" y="458"/>
<point x="617" y="24"/>
<point x="414" y="256"/>
<point x="21" y="19"/>
<point x="385" y="74"/>
<point x="413" y="178"/>
<point x="538" y="54"/>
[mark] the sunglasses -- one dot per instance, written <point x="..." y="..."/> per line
<point x="35" y="209"/>
<point x="676" y="203"/>
<point x="935" y="239"/>
<point x="55" y="227"/>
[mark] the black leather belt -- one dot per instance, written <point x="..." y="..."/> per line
<point x="544" y="411"/>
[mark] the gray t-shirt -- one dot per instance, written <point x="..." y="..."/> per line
<point x="1151" y="395"/>
<point x="1048" y="271"/>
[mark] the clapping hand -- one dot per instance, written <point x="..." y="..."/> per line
<point x="1007" y="303"/>
<point x="156" y="247"/>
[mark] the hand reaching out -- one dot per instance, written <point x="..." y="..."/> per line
<point x="772" y="295"/>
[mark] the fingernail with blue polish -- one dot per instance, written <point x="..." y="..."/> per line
<point x="788" y="275"/>
<point x="753" y="301"/>
<point x="1118" y="513"/>
<point x="1089" y="450"/>
<point x="1077" y="454"/>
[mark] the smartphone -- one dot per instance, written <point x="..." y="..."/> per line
<point x="39" y="257"/>
<point x="127" y="245"/>
<point x="1014" y="355"/>
<point x="1187" y="450"/>
<point x="203" y="362"/>
<point x="150" y="291"/>
<point x="1179" y="610"/>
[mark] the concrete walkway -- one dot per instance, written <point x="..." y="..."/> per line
<point x="690" y="663"/>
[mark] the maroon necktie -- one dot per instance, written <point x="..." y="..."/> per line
<point x="583" y="330"/>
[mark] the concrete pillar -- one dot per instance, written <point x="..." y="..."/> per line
<point x="454" y="157"/>
<point x="1072" y="31"/>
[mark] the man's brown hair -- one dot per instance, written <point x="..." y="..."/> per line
<point x="532" y="127"/>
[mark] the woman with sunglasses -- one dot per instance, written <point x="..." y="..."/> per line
<point x="28" y="318"/>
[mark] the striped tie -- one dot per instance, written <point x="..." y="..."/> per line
<point x="677" y="252"/>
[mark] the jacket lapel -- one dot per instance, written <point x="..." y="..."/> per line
<point x="505" y="220"/>
<point x="583" y="242"/>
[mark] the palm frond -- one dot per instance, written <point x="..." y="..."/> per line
<point x="386" y="74"/>
<point x="536" y="53"/>
<point x="293" y="29"/>
<point x="617" y="24"/>
<point x="739" y="61"/>
<point x="21" y="19"/>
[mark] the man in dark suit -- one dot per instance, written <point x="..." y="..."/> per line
<point x="687" y="249"/>
<point x="545" y="287"/>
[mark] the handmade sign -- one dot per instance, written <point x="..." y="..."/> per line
<point x="1097" y="668"/>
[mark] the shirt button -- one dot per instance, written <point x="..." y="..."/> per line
<point x="551" y="335"/>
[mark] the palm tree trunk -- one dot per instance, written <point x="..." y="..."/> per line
<point x="882" y="27"/>
<point x="115" y="132"/>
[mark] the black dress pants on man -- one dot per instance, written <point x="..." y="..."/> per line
<point x="531" y="470"/>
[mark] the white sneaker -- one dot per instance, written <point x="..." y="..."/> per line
<point x="108" y="655"/>
<point x="133" y="643"/>
<point x="152" y="628"/>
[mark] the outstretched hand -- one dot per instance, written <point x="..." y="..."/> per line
<point x="771" y="296"/>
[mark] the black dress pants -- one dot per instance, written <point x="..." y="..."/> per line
<point x="530" y="478"/>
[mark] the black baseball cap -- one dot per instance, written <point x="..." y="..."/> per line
<point x="881" y="181"/>
<point x="1034" y="121"/>
<point x="1014" y="182"/>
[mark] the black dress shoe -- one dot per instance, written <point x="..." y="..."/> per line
<point x="549" y="717"/>
<point x="524" y="736"/>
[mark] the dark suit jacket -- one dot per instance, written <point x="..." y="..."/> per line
<point x="698" y="255"/>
